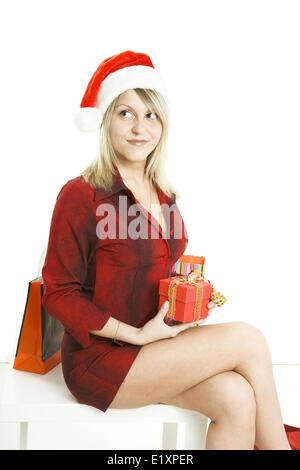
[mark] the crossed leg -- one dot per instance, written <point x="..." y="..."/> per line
<point x="220" y="370"/>
<point x="229" y="401"/>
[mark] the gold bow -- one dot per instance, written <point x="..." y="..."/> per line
<point x="191" y="278"/>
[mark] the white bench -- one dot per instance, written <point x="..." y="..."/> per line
<point x="31" y="398"/>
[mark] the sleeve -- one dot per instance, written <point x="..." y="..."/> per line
<point x="72" y="241"/>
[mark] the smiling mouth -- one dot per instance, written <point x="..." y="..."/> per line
<point x="137" y="143"/>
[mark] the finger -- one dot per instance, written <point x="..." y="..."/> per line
<point x="191" y="324"/>
<point x="164" y="308"/>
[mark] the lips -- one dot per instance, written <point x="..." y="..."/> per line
<point x="138" y="143"/>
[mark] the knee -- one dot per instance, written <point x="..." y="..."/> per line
<point x="250" y="337"/>
<point x="237" y="399"/>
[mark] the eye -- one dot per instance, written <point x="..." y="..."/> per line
<point x="153" y="114"/>
<point x="122" y="113"/>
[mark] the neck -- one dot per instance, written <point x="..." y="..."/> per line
<point x="133" y="173"/>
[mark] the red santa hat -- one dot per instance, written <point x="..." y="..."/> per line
<point x="115" y="75"/>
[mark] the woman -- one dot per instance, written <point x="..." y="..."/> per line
<point x="102" y="270"/>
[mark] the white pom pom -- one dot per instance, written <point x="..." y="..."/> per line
<point x="88" y="119"/>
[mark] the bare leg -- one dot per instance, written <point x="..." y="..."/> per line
<point x="229" y="401"/>
<point x="257" y="369"/>
<point x="270" y="432"/>
<point x="167" y="368"/>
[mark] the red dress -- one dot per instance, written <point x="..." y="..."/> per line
<point x="88" y="278"/>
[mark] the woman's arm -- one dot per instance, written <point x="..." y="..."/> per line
<point x="72" y="241"/>
<point x="124" y="331"/>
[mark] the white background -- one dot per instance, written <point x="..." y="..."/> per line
<point x="232" y="71"/>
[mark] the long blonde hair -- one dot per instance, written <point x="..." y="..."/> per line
<point x="99" y="174"/>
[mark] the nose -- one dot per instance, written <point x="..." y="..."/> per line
<point x="138" y="126"/>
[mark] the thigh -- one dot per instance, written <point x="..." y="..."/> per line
<point x="166" y="368"/>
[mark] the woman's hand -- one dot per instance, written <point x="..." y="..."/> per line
<point x="156" y="329"/>
<point x="211" y="306"/>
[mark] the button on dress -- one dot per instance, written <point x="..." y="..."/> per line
<point x="89" y="277"/>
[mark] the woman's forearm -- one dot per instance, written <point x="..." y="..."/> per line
<point x="125" y="332"/>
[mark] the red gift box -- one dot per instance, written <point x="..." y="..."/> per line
<point x="187" y="302"/>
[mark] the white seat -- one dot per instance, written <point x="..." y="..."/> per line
<point x="29" y="397"/>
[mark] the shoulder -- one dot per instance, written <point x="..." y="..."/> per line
<point x="75" y="199"/>
<point x="76" y="189"/>
<point x="73" y="212"/>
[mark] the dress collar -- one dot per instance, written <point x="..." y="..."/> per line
<point x="119" y="185"/>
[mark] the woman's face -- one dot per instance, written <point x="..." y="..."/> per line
<point x="132" y="120"/>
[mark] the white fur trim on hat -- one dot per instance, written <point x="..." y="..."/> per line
<point x="135" y="76"/>
<point x="88" y="119"/>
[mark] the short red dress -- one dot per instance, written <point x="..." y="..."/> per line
<point x="88" y="278"/>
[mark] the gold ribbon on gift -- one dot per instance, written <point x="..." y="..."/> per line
<point x="191" y="278"/>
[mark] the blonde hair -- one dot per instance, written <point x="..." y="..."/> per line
<point x="99" y="174"/>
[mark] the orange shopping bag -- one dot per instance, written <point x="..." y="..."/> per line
<point x="40" y="337"/>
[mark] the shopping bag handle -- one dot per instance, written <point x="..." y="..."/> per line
<point x="41" y="261"/>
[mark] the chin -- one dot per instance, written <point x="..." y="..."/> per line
<point x="135" y="157"/>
